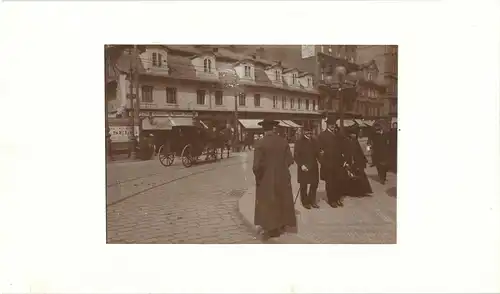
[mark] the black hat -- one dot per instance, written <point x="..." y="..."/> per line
<point x="268" y="124"/>
<point x="331" y="121"/>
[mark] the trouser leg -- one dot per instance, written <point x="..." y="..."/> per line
<point x="312" y="193"/>
<point x="303" y="194"/>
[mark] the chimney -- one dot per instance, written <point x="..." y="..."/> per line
<point x="261" y="53"/>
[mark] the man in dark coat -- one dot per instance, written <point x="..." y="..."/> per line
<point x="332" y="160"/>
<point x="393" y="147"/>
<point x="356" y="161"/>
<point x="274" y="208"/>
<point x="380" y="154"/>
<point x="306" y="155"/>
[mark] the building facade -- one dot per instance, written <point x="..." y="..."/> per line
<point x="178" y="80"/>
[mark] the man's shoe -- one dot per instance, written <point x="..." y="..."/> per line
<point x="307" y="206"/>
<point x="339" y="203"/>
<point x="315" y="205"/>
<point x="333" y="204"/>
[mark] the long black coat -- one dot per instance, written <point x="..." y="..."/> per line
<point x="332" y="159"/>
<point x="306" y="152"/>
<point x="380" y="147"/>
<point x="356" y="159"/>
<point x="274" y="206"/>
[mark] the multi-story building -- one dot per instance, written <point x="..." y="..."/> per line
<point x="375" y="67"/>
<point x="182" y="80"/>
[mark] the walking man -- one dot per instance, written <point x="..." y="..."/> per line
<point x="380" y="155"/>
<point x="306" y="155"/>
<point x="274" y="209"/>
<point x="331" y="159"/>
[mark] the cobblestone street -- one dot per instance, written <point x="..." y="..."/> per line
<point x="149" y="203"/>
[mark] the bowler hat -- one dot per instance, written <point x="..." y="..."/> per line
<point x="331" y="121"/>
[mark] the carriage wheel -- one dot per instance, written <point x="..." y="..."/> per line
<point x="165" y="159"/>
<point x="187" y="158"/>
<point x="212" y="154"/>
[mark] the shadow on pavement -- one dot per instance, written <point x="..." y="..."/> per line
<point x="391" y="192"/>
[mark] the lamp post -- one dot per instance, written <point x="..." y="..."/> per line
<point x="230" y="80"/>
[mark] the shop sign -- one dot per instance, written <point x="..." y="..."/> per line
<point x="120" y="133"/>
<point x="165" y="114"/>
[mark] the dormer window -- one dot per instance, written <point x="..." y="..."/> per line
<point x="294" y="79"/>
<point x="157" y="59"/>
<point x="277" y="75"/>
<point x="207" y="65"/>
<point x="248" y="72"/>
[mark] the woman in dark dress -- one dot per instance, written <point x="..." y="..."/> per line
<point x="358" y="184"/>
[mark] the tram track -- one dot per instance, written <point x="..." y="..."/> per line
<point x="165" y="182"/>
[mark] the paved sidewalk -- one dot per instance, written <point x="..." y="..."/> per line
<point x="367" y="220"/>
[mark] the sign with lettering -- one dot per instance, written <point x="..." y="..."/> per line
<point x="120" y="134"/>
<point x="166" y="114"/>
<point x="307" y="51"/>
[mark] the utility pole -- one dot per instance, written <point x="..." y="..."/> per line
<point x="137" y="106"/>
<point x="236" y="133"/>
<point x="133" y="141"/>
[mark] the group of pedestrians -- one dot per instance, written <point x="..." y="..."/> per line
<point x="334" y="157"/>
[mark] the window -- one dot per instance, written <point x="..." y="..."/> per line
<point x="277" y="75"/>
<point x="218" y="97"/>
<point x="171" y="95"/>
<point x="256" y="100"/>
<point x="307" y="104"/>
<point x="157" y="59"/>
<point x="200" y="97"/>
<point x="207" y="65"/>
<point x="299" y="104"/>
<point x="292" y="103"/>
<point x="370" y="76"/>
<point x="147" y="94"/>
<point x="294" y="79"/>
<point x="242" y="99"/>
<point x="248" y="71"/>
<point x="314" y="105"/>
<point x="275" y="101"/>
<point x="309" y="82"/>
<point x="283" y="102"/>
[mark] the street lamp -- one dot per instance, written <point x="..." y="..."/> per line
<point x="230" y="80"/>
<point x="337" y="82"/>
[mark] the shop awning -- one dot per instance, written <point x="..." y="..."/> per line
<point x="283" y="124"/>
<point x="166" y="123"/>
<point x="347" y="122"/>
<point x="203" y="124"/>
<point x="250" y="123"/>
<point x="181" y="121"/>
<point x="157" y="123"/>
<point x="292" y="124"/>
<point x="368" y="122"/>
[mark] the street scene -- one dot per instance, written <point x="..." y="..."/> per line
<point x="254" y="144"/>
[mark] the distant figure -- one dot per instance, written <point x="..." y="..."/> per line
<point x="393" y="147"/>
<point x="380" y="152"/>
<point x="331" y="159"/>
<point x="306" y="155"/>
<point x="274" y="208"/>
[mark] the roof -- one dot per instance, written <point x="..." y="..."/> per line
<point x="180" y="67"/>
<point x="290" y="69"/>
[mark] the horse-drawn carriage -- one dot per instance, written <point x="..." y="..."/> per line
<point x="193" y="143"/>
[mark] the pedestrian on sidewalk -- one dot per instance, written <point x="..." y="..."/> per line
<point x="380" y="155"/>
<point x="306" y="155"/>
<point x="332" y="160"/>
<point x="356" y="160"/>
<point x="393" y="147"/>
<point x="274" y="208"/>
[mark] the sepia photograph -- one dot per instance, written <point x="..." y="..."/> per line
<point x="251" y="144"/>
